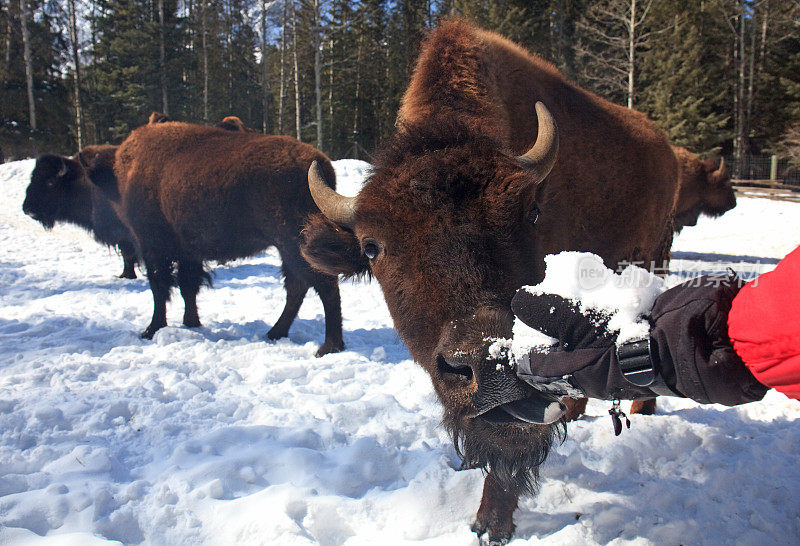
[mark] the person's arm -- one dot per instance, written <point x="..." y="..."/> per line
<point x="764" y="325"/>
<point x="687" y="353"/>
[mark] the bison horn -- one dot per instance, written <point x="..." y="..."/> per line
<point x="336" y="207"/>
<point x="63" y="170"/>
<point x="541" y="158"/>
<point x="722" y="169"/>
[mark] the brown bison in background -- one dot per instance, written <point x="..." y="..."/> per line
<point x="233" y="123"/>
<point x="158" y="117"/>
<point x="459" y="213"/>
<point x="60" y="191"/>
<point x="191" y="193"/>
<point x="703" y="188"/>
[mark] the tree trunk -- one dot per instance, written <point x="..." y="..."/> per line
<point x="750" y="83"/>
<point x="318" y="71"/>
<point x="264" y="75"/>
<point x="7" y="44"/>
<point x="204" y="24"/>
<point x="91" y="82"/>
<point x="73" y="36"/>
<point x="741" y="130"/>
<point x="330" y="84"/>
<point x="358" y="91"/>
<point x="631" y="52"/>
<point x="282" y="97"/>
<point x="756" y="69"/>
<point x="162" y="57"/>
<point x="764" y="24"/>
<point x="26" y="44"/>
<point x="229" y="47"/>
<point x="296" y="74"/>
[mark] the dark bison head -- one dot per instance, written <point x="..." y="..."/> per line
<point x="446" y="224"/>
<point x="705" y="188"/>
<point x="55" y="189"/>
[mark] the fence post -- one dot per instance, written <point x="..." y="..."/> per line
<point x="773" y="168"/>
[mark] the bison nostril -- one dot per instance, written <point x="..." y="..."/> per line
<point x="453" y="368"/>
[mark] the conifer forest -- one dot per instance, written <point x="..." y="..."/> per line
<point x="719" y="76"/>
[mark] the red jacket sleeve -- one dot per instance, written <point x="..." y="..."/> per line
<point x="764" y="326"/>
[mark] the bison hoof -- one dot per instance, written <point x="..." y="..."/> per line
<point x="277" y="333"/>
<point x="127" y="275"/>
<point x="488" y="536"/>
<point x="150" y="331"/>
<point x="327" y="348"/>
<point x="192" y="322"/>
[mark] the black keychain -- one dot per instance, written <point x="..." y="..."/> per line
<point x="616" y="413"/>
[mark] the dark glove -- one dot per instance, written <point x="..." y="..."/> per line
<point x="687" y="354"/>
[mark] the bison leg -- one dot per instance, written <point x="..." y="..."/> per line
<point x="159" y="273"/>
<point x="128" y="260"/>
<point x="295" y="293"/>
<point x="495" y="515"/>
<point x="328" y="289"/>
<point x="644" y="407"/>
<point x="190" y="278"/>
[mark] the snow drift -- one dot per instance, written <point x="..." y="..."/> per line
<point x="216" y="436"/>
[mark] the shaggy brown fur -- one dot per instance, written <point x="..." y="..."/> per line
<point x="191" y="193"/>
<point x="158" y="117"/>
<point x="60" y="191"/>
<point x="452" y="211"/>
<point x="233" y="123"/>
<point x="704" y="188"/>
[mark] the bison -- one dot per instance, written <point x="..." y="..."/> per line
<point x="158" y="117"/>
<point x="233" y="123"/>
<point x="60" y="191"/>
<point x="704" y="188"/>
<point x="190" y="194"/>
<point x="465" y="200"/>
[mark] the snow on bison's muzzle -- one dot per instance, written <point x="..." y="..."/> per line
<point x="483" y="365"/>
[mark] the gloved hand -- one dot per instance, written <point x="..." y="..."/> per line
<point x="687" y="353"/>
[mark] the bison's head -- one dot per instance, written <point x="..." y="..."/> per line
<point x="56" y="192"/>
<point x="447" y="225"/>
<point x="705" y="188"/>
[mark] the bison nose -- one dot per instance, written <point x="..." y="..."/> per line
<point x="455" y="368"/>
<point x="30" y="213"/>
<point x="492" y="382"/>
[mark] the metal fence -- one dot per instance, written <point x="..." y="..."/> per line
<point x="760" y="167"/>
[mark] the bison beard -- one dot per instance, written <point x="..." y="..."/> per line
<point x="515" y="467"/>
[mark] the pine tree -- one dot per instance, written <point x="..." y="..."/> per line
<point x="130" y="78"/>
<point x="678" y="87"/>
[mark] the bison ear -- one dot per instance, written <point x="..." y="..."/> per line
<point x="85" y="157"/>
<point x="331" y="249"/>
<point x="66" y="169"/>
<point x="532" y="196"/>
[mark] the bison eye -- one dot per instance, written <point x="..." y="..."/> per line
<point x="371" y="249"/>
<point x="533" y="215"/>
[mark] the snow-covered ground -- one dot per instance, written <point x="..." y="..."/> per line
<point x="216" y="436"/>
